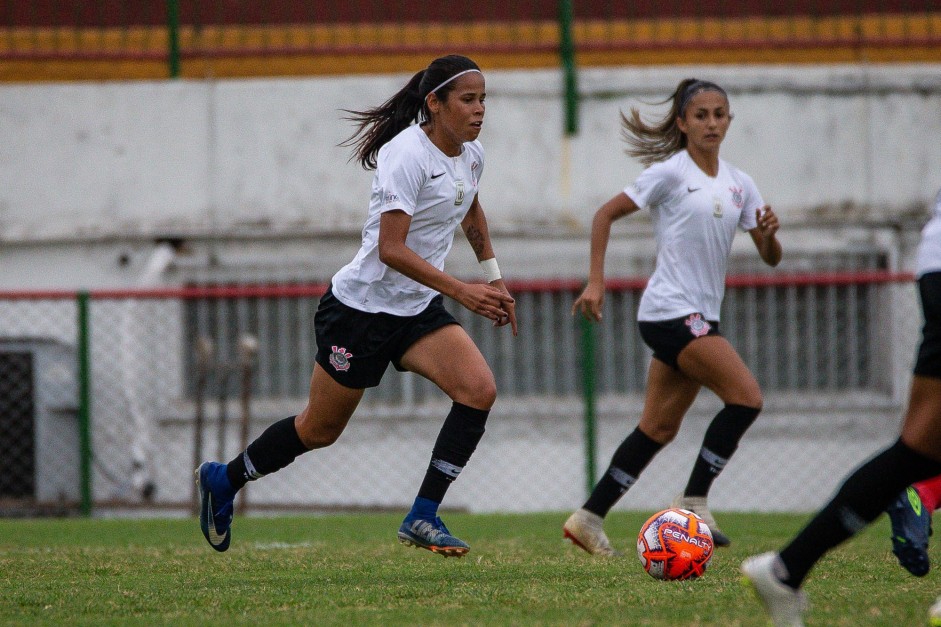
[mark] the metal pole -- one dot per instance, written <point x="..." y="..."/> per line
<point x="173" y="37"/>
<point x="248" y="349"/>
<point x="224" y="370"/>
<point x="567" y="53"/>
<point x="588" y="394"/>
<point x="204" y="353"/>
<point x="84" y="402"/>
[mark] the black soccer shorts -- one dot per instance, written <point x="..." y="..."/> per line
<point x="355" y="347"/>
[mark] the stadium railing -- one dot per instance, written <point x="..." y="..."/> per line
<point x="110" y="397"/>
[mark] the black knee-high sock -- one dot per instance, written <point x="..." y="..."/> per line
<point x="863" y="496"/>
<point x="456" y="442"/>
<point x="274" y="449"/>
<point x="628" y="461"/>
<point x="721" y="439"/>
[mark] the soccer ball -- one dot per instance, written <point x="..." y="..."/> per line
<point x="674" y="544"/>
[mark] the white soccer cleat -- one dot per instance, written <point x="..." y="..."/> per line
<point x="784" y="604"/>
<point x="585" y="530"/>
<point x="934" y="614"/>
<point x="697" y="505"/>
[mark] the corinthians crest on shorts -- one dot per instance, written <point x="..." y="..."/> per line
<point x="697" y="326"/>
<point x="340" y="358"/>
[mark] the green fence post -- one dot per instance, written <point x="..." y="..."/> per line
<point x="588" y="394"/>
<point x="84" y="401"/>
<point x="173" y="37"/>
<point x="567" y="52"/>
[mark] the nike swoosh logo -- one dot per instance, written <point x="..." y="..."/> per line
<point x="914" y="500"/>
<point x="693" y="189"/>
<point x="434" y="176"/>
<point x="214" y="538"/>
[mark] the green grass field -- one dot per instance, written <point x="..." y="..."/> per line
<point x="350" y="570"/>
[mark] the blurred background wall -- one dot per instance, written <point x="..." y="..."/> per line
<point x="172" y="192"/>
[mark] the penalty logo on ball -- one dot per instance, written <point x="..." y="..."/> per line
<point x="675" y="544"/>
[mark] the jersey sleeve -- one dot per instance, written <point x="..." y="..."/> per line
<point x="399" y="177"/>
<point x="652" y="187"/>
<point x="753" y="200"/>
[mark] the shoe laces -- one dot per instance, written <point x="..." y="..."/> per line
<point x="431" y="530"/>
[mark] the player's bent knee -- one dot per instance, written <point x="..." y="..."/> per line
<point x="752" y="399"/>
<point x="480" y="393"/>
<point x="660" y="433"/>
<point x="319" y="436"/>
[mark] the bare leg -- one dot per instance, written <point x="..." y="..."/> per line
<point x="714" y="363"/>
<point x="328" y="411"/>
<point x="922" y="426"/>
<point x="449" y="358"/>
<point x="668" y="397"/>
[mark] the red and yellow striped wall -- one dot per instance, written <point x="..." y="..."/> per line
<point x="111" y="39"/>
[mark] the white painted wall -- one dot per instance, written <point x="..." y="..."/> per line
<point x="250" y="171"/>
<point x="84" y="160"/>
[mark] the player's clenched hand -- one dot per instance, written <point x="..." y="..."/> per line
<point x="509" y="308"/>
<point x="590" y="302"/>
<point x="767" y="221"/>
<point x="489" y="301"/>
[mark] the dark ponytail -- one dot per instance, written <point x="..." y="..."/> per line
<point x="376" y="126"/>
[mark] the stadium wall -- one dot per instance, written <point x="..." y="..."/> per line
<point x="93" y="173"/>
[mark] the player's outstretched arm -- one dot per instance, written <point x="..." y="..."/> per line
<point x="590" y="301"/>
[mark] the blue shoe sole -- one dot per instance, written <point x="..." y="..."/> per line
<point x="206" y="522"/>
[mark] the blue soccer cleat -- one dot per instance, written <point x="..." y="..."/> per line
<point x="215" y="504"/>
<point x="433" y="536"/>
<point x="911" y="526"/>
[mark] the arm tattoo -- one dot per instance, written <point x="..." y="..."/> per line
<point x="476" y="239"/>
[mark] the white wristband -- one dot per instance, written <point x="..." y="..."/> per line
<point x="491" y="270"/>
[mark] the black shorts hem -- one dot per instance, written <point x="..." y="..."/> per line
<point x="928" y="360"/>
<point x="356" y="347"/>
<point x="339" y="378"/>
<point x="668" y="338"/>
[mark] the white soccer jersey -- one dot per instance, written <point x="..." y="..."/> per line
<point x="414" y="176"/>
<point x="694" y="217"/>
<point x="928" y="258"/>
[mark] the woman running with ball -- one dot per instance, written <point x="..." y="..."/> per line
<point x="697" y="201"/>
<point x="386" y="305"/>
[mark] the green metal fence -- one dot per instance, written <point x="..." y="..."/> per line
<point x="109" y="399"/>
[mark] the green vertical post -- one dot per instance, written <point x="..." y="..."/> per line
<point x="173" y="37"/>
<point x="588" y="394"/>
<point x="567" y="52"/>
<point x="84" y="401"/>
